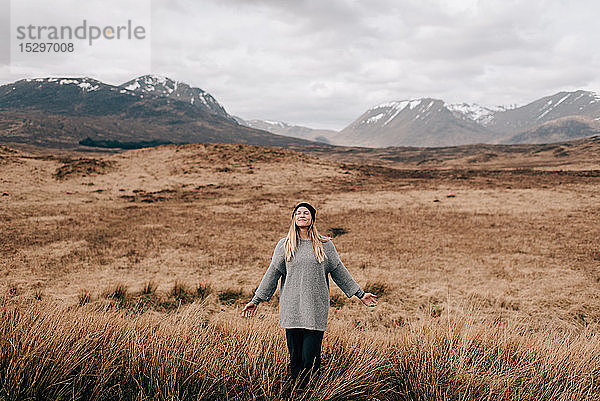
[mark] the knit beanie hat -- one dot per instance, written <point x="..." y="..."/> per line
<point x="311" y="209"/>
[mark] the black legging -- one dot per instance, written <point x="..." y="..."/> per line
<point x="305" y="351"/>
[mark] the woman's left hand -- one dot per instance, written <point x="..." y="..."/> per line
<point x="369" y="299"/>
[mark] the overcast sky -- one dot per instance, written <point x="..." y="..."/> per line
<point x="323" y="63"/>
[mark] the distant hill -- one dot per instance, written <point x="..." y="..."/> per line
<point x="298" y="131"/>
<point x="578" y="154"/>
<point x="558" y="130"/>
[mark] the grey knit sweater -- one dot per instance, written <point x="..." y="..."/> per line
<point x="304" y="292"/>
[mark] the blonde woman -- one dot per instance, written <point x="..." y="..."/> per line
<point x="303" y="260"/>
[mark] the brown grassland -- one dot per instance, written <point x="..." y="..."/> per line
<point x="123" y="276"/>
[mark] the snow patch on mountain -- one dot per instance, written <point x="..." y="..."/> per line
<point x="203" y="95"/>
<point x="88" y="87"/>
<point x="86" y="84"/>
<point x="548" y="107"/>
<point x="161" y="86"/>
<point x="390" y="110"/>
<point x="275" y="123"/>
<point x="399" y="105"/>
<point x="156" y="84"/>
<point x="133" y="86"/>
<point x="375" y="118"/>
<point x="472" y="111"/>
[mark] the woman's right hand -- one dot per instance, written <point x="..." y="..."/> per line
<point x="249" y="309"/>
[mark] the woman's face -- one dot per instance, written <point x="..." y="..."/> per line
<point x="302" y="217"/>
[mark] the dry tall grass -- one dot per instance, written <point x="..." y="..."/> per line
<point x="53" y="352"/>
<point x="126" y="280"/>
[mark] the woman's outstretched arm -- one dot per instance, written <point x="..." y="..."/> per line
<point x="344" y="280"/>
<point x="268" y="284"/>
<point x="342" y="277"/>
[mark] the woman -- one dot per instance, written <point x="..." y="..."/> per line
<point x="303" y="260"/>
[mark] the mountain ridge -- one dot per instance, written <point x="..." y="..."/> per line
<point x="63" y="112"/>
<point x="157" y="109"/>
<point x="433" y="122"/>
<point x="283" y="128"/>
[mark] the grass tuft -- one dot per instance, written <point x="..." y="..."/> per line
<point x="149" y="288"/>
<point x="84" y="297"/>
<point x="336" y="231"/>
<point x="203" y="290"/>
<point x="118" y="293"/>
<point x="376" y="287"/>
<point x="181" y="292"/>
<point x="337" y="300"/>
<point x="231" y="295"/>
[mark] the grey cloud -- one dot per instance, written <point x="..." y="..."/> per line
<point x="4" y="32"/>
<point x="322" y="63"/>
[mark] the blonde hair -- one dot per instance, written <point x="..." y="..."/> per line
<point x="291" y="241"/>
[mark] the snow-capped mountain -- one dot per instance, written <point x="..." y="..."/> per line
<point x="152" y="107"/>
<point x="68" y="94"/>
<point x="65" y="95"/>
<point x="68" y="112"/>
<point x="432" y="122"/>
<point x="297" y="131"/>
<point x="415" y="122"/>
<point x="86" y="84"/>
<point x="156" y="85"/>
<point x="532" y="115"/>
<point x="472" y="111"/>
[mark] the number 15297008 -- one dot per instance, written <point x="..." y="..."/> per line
<point x="46" y="47"/>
